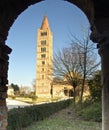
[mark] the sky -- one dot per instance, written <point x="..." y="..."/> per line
<point x="64" y="19"/>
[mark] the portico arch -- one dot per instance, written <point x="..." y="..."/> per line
<point x="98" y="16"/>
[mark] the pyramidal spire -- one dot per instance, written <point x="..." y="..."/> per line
<point x="45" y="23"/>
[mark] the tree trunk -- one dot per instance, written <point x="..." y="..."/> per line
<point x="82" y="90"/>
<point x="84" y="74"/>
<point x="74" y="94"/>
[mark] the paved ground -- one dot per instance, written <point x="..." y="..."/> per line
<point x="15" y="104"/>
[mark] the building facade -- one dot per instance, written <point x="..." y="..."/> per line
<point x="44" y="61"/>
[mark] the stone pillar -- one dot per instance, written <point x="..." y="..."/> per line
<point x="102" y="39"/>
<point x="104" y="53"/>
<point x="4" y="51"/>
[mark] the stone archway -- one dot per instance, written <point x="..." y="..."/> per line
<point x="98" y="16"/>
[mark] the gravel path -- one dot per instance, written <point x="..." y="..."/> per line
<point x="15" y="104"/>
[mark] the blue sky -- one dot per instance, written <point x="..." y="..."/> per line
<point x="64" y="18"/>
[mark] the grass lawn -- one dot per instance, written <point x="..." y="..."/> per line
<point x="39" y="100"/>
<point x="64" y="120"/>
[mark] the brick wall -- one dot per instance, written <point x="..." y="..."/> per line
<point x="4" y="51"/>
<point x="3" y="117"/>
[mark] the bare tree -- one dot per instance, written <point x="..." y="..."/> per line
<point x="77" y="63"/>
<point x="67" y="67"/>
<point x="88" y="60"/>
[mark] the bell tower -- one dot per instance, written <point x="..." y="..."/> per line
<point x="44" y="61"/>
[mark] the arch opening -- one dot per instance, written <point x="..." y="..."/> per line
<point x="26" y="42"/>
<point x="23" y="35"/>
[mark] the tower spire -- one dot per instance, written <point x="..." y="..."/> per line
<point x="45" y="23"/>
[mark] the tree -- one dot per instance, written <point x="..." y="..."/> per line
<point x="95" y="86"/>
<point x="15" y="87"/>
<point x="87" y="57"/>
<point x="66" y="66"/>
<point x="77" y="62"/>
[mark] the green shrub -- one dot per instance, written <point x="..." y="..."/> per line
<point x="19" y="118"/>
<point x="12" y="97"/>
<point x="95" y="87"/>
<point x="34" y="98"/>
<point x="91" y="111"/>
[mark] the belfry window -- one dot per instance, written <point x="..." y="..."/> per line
<point x="43" y="56"/>
<point x="43" y="42"/>
<point x="43" y="49"/>
<point x="43" y="62"/>
<point x="43" y="33"/>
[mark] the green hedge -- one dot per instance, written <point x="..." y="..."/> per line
<point x="91" y="111"/>
<point x="19" y="118"/>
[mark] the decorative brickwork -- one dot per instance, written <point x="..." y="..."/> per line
<point x="4" y="51"/>
<point x="3" y="117"/>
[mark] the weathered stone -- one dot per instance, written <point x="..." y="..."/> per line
<point x="3" y="117"/>
<point x="4" y="51"/>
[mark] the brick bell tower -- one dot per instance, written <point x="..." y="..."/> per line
<point x="44" y="61"/>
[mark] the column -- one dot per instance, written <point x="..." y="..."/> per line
<point x="104" y="53"/>
<point x="4" y="51"/>
<point x="103" y="49"/>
